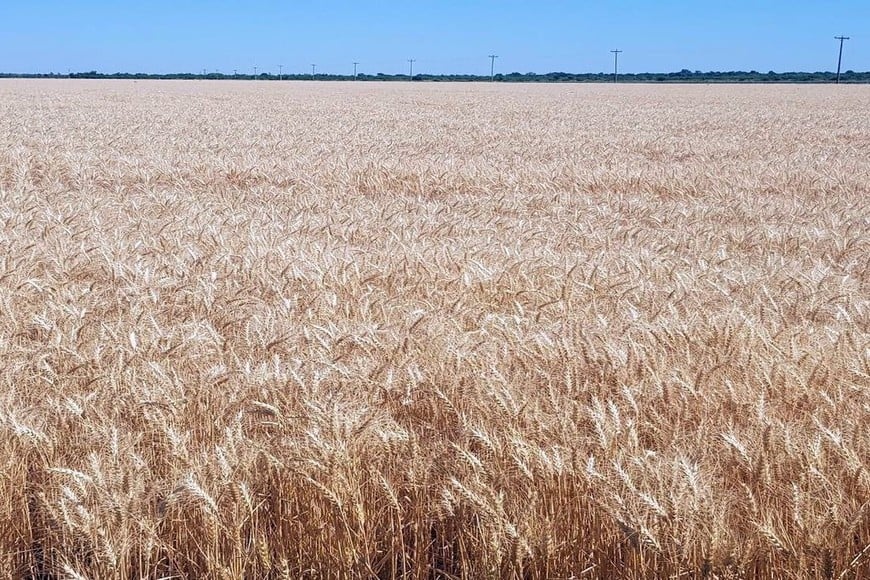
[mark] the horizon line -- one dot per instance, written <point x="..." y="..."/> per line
<point x="294" y="75"/>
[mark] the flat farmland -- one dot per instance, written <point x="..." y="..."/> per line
<point x="311" y="330"/>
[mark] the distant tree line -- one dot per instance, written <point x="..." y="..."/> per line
<point x="683" y="76"/>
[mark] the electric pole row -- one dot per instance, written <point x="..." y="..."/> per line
<point x="492" y="57"/>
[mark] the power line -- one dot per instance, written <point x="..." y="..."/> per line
<point x="840" y="58"/>
<point x="615" y="64"/>
<point x="492" y="58"/>
<point x="411" y="61"/>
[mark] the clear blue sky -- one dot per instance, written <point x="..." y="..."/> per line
<point x="449" y="36"/>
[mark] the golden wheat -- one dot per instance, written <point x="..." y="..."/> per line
<point x="394" y="330"/>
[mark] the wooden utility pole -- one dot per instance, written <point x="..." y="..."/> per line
<point x="840" y="58"/>
<point x="492" y="58"/>
<point x="615" y="64"/>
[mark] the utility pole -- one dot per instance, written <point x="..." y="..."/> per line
<point x="255" y="72"/>
<point x="411" y="61"/>
<point x="354" y="70"/>
<point x="313" y="68"/>
<point x="492" y="58"/>
<point x="280" y="72"/>
<point x="840" y="59"/>
<point x="235" y="72"/>
<point x="615" y="64"/>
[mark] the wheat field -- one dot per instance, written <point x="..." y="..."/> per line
<point x="353" y="330"/>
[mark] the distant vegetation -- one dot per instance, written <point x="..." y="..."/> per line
<point x="683" y="76"/>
